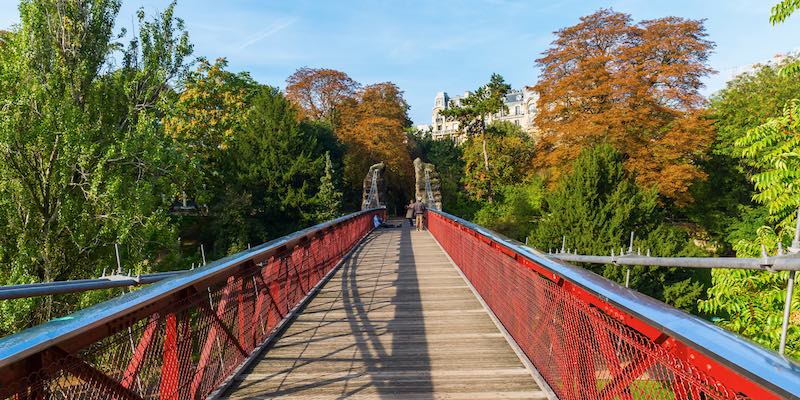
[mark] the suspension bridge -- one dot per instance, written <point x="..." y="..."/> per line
<point x="345" y="310"/>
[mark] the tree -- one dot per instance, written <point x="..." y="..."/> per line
<point x="512" y="157"/>
<point x="751" y="302"/>
<point x="270" y="187"/>
<point x="319" y="92"/>
<point x="328" y="198"/>
<point x="204" y="120"/>
<point x="635" y="87"/>
<point x="373" y="130"/>
<point x="473" y="111"/>
<point x="84" y="162"/>
<point x="596" y="207"/>
<point x="724" y="202"/>
<point x="516" y="209"/>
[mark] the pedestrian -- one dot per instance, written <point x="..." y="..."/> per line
<point x="419" y="212"/>
<point x="410" y="212"/>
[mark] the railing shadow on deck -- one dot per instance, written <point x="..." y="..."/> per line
<point x="370" y="334"/>
<point x="406" y="301"/>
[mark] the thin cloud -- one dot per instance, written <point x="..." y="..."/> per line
<point x="276" y="27"/>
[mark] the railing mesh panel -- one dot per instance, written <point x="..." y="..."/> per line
<point x="186" y="346"/>
<point x="582" y="352"/>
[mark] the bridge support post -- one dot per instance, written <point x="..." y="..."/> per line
<point x="168" y="389"/>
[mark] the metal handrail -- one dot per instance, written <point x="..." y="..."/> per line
<point x="789" y="262"/>
<point x="28" y="342"/>
<point x="82" y="285"/>
<point x="769" y="369"/>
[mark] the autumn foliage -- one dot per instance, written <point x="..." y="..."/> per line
<point x="370" y="121"/>
<point x="320" y="91"/>
<point x="373" y="130"/>
<point x="634" y="86"/>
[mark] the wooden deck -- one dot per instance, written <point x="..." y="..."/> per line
<point x="397" y="321"/>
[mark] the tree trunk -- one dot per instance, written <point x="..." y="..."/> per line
<point x="486" y="161"/>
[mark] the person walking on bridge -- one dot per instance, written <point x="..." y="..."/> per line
<point x="419" y="212"/>
<point x="410" y="212"/>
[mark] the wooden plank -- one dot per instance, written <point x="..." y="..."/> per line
<point x="395" y="322"/>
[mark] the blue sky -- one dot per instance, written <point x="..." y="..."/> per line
<point x="429" y="46"/>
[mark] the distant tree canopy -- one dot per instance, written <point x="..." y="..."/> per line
<point x="272" y="180"/>
<point x="472" y="116"/>
<point x="373" y="130"/>
<point x="511" y="152"/>
<point x="319" y="92"/>
<point x="724" y="202"/>
<point x="633" y="86"/>
<point x="369" y="121"/>
<point x="204" y="121"/>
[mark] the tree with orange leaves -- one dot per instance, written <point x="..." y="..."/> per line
<point x="372" y="128"/>
<point x="633" y="86"/>
<point x="320" y="91"/>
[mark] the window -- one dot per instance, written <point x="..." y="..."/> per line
<point x="516" y="122"/>
<point x="516" y="110"/>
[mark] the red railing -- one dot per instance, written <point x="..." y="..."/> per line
<point x="589" y="338"/>
<point x="178" y="339"/>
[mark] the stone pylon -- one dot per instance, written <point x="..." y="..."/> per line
<point x="425" y="173"/>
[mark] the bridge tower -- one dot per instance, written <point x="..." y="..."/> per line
<point x="374" y="193"/>
<point x="428" y="187"/>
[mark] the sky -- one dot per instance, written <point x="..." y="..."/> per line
<point x="437" y="45"/>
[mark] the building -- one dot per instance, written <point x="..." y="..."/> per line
<point x="776" y="61"/>
<point x="520" y="110"/>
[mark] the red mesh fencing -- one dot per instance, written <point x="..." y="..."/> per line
<point x="187" y="345"/>
<point x="583" y="346"/>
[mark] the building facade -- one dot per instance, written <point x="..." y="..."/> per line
<point x="520" y="110"/>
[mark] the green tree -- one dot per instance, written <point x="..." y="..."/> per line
<point x="473" y="112"/>
<point x="724" y="201"/>
<point x="751" y="303"/>
<point x="597" y="206"/>
<point x="515" y="210"/>
<point x="205" y="118"/>
<point x="270" y="189"/>
<point x="84" y="162"/>
<point x="328" y="198"/>
<point x="512" y="157"/>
